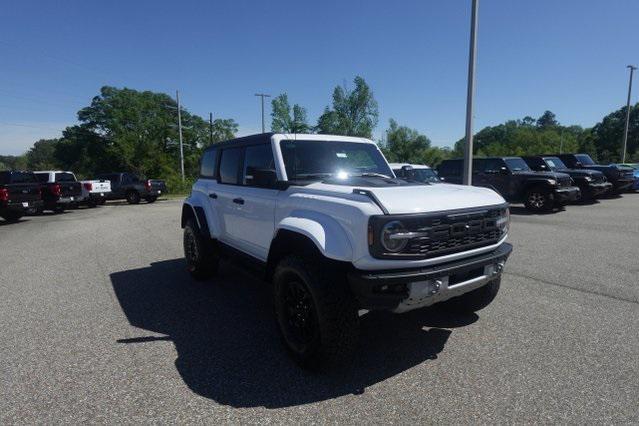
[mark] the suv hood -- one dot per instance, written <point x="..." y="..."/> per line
<point x="418" y="198"/>
<point x="544" y="175"/>
<point x="582" y="172"/>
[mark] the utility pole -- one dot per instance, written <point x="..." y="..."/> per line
<point x="211" y="128"/>
<point x="625" y="132"/>
<point x="262" y="95"/>
<point x="468" y="153"/>
<point x="177" y="98"/>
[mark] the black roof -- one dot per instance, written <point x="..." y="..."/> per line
<point x="245" y="140"/>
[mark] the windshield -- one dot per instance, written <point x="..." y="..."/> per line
<point x="317" y="160"/>
<point x="516" y="164"/>
<point x="422" y="175"/>
<point x="555" y="163"/>
<point x="585" y="159"/>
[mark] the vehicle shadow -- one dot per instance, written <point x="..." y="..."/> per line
<point x="523" y="211"/>
<point x="18" y="222"/>
<point x="229" y="349"/>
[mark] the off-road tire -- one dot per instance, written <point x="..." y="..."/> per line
<point x="201" y="259"/>
<point x="332" y="308"/>
<point x="475" y="300"/>
<point x="151" y="199"/>
<point x="132" y="197"/>
<point x="539" y="199"/>
<point x="12" y="217"/>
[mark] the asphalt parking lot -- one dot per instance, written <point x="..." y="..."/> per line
<point x="101" y="323"/>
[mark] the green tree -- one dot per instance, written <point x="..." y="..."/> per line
<point x="129" y="130"/>
<point x="608" y="135"/>
<point x="41" y="155"/>
<point x="354" y="112"/>
<point x="405" y="145"/>
<point x="282" y="119"/>
<point x="547" y="120"/>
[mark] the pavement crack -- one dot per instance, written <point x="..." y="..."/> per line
<point x="596" y="293"/>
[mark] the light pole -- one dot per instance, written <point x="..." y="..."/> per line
<point x="468" y="153"/>
<point x="177" y="99"/>
<point x="262" y="95"/>
<point x="625" y="132"/>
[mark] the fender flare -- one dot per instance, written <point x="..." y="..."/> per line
<point x="326" y="233"/>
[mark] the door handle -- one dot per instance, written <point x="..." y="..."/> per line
<point x="238" y="200"/>
<point x="213" y="195"/>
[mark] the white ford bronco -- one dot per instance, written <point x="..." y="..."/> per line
<point x="334" y="231"/>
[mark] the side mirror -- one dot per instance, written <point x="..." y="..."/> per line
<point x="504" y="170"/>
<point x="262" y="178"/>
<point x="543" y="167"/>
<point x="578" y="164"/>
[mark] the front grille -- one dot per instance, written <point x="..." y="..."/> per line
<point x="599" y="179"/>
<point x="442" y="233"/>
<point x="567" y="181"/>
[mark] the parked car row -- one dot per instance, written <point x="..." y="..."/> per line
<point x="543" y="182"/>
<point x="26" y="192"/>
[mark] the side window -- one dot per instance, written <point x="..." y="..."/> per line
<point x="258" y="162"/>
<point x="451" y="168"/>
<point x="230" y="165"/>
<point x="399" y="173"/>
<point x="42" y="177"/>
<point x="207" y="166"/>
<point x="494" y="164"/>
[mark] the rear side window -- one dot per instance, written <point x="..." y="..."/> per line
<point x="23" y="177"/>
<point x="64" y="177"/>
<point x="257" y="158"/>
<point x="450" y="168"/>
<point x="207" y="167"/>
<point x="230" y="165"/>
<point x="4" y="177"/>
<point x="42" y="177"/>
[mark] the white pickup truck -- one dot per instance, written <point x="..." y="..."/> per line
<point x="95" y="192"/>
<point x="335" y="231"/>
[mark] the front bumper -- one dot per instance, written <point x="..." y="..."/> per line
<point x="405" y="290"/>
<point x="567" y="194"/>
<point x="594" y="189"/>
<point x="623" y="184"/>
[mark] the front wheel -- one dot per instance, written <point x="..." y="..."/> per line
<point x="132" y="197"/>
<point x="539" y="199"/>
<point x="316" y="313"/>
<point x="201" y="259"/>
<point x="475" y="300"/>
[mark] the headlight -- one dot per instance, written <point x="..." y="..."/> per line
<point x="503" y="222"/>
<point x="588" y="179"/>
<point x="552" y="182"/>
<point x="393" y="236"/>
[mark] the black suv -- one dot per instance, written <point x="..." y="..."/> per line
<point x="591" y="182"/>
<point x="19" y="194"/>
<point x="621" y="177"/>
<point x="133" y="188"/>
<point x="515" y="181"/>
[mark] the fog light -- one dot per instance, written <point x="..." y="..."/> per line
<point x="422" y="289"/>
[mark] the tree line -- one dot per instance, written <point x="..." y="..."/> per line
<point x="130" y="130"/>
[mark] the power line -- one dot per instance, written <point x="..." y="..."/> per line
<point x="29" y="125"/>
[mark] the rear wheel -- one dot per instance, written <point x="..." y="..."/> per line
<point x="58" y="209"/>
<point x="316" y="313"/>
<point x="475" y="300"/>
<point x="539" y="199"/>
<point x="202" y="261"/>
<point x="151" y="199"/>
<point x="132" y="197"/>
<point x="12" y="217"/>
<point x="102" y="201"/>
<point x="92" y="203"/>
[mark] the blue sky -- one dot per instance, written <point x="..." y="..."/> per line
<point x="566" y="56"/>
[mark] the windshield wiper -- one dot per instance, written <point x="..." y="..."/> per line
<point x="312" y="175"/>
<point x="371" y="174"/>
